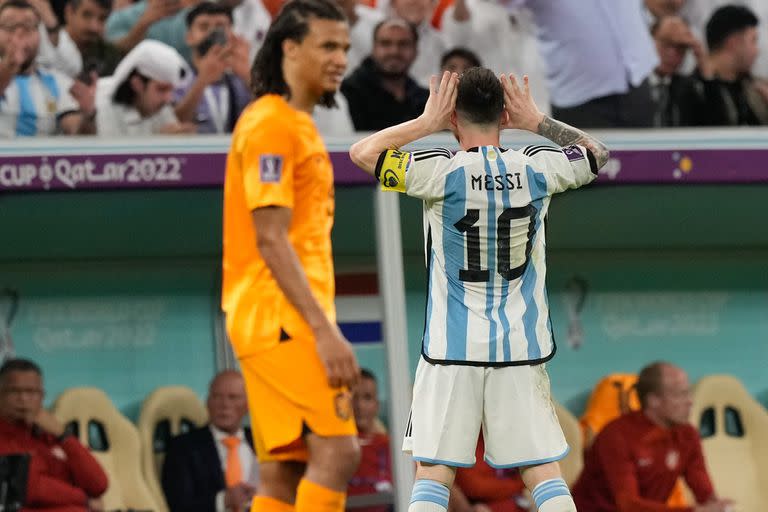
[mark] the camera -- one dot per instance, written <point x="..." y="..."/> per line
<point x="218" y="36"/>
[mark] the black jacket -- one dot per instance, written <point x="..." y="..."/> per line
<point x="719" y="103"/>
<point x="372" y="107"/>
<point x="192" y="474"/>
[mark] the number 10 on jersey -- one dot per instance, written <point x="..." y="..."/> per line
<point x="513" y="226"/>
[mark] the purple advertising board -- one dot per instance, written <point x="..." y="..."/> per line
<point x="136" y="166"/>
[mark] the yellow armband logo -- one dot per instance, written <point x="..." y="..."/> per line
<point x="393" y="169"/>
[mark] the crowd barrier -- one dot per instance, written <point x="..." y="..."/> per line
<point x="637" y="157"/>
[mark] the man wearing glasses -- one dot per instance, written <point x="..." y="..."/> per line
<point x="35" y="101"/>
<point x="63" y="475"/>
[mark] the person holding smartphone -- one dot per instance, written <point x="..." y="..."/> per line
<point x="218" y="90"/>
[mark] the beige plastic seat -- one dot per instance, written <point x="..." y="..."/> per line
<point x="734" y="428"/>
<point x="166" y="412"/>
<point x="572" y="464"/>
<point x="114" y="442"/>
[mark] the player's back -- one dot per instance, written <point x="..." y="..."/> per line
<point x="484" y="226"/>
<point x="277" y="159"/>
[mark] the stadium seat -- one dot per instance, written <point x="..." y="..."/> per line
<point x="613" y="396"/>
<point x="90" y="415"/>
<point x="571" y="465"/>
<point x="734" y="431"/>
<point x="166" y="412"/>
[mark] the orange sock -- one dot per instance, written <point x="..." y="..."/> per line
<point x="311" y="497"/>
<point x="267" y="504"/>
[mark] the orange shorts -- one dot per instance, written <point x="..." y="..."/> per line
<point x="288" y="395"/>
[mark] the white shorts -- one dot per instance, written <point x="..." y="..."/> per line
<point x="512" y="404"/>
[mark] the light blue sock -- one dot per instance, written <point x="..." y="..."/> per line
<point x="429" y="496"/>
<point x="553" y="496"/>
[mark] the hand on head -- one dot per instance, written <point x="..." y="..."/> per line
<point x="522" y="112"/>
<point x="442" y="101"/>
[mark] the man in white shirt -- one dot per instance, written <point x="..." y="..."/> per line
<point x="35" y="101"/>
<point x="599" y="55"/>
<point x="79" y="48"/>
<point x="214" y="468"/>
<point x="362" y="21"/>
<point x="136" y="100"/>
<point x="504" y="40"/>
<point x="430" y="45"/>
<point x="218" y="90"/>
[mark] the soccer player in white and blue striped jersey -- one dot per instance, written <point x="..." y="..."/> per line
<point x="487" y="333"/>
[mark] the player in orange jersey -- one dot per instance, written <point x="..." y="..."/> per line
<point x="278" y="286"/>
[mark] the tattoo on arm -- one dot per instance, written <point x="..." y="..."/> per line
<point x="564" y="135"/>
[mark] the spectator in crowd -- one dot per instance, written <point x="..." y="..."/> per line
<point x="430" y="44"/>
<point x="32" y="100"/>
<point x="216" y="93"/>
<point x="50" y="22"/>
<point x="458" y="60"/>
<point x="698" y="12"/>
<point x="671" y="89"/>
<point x="380" y="92"/>
<point x="506" y="41"/>
<point x="598" y="61"/>
<point x="726" y="93"/>
<point x="636" y="459"/>
<point x="491" y="490"/>
<point x="657" y="9"/>
<point x="161" y="20"/>
<point x="374" y="474"/>
<point x="79" y="48"/>
<point x="362" y="20"/>
<point x="136" y="100"/>
<point x="214" y="468"/>
<point x="63" y="475"/>
<point x="252" y="19"/>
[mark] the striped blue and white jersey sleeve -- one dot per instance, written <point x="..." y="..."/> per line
<point x="484" y="212"/>
<point x="33" y="103"/>
<point x="563" y="168"/>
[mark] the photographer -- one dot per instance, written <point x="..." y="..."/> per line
<point x="218" y="89"/>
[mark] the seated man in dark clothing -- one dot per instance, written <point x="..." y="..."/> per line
<point x="63" y="475"/>
<point x="214" y="468"/>
<point x="673" y="39"/>
<point x="725" y="93"/>
<point x="380" y="92"/>
<point x="636" y="459"/>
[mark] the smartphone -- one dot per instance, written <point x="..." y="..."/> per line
<point x="217" y="36"/>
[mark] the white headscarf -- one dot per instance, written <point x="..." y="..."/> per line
<point x="153" y="59"/>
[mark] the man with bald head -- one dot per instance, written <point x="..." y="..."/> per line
<point x="213" y="468"/>
<point x="636" y="459"/>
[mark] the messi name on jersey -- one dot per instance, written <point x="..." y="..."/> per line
<point x="508" y="181"/>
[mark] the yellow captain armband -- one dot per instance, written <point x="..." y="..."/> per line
<point x="391" y="169"/>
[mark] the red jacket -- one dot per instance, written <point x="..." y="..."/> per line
<point x="633" y="466"/>
<point x="61" y="475"/>
<point x="374" y="471"/>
